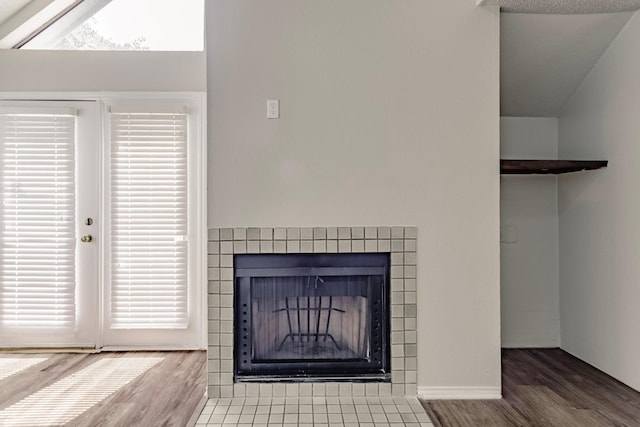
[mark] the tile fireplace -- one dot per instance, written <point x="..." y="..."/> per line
<point x="316" y="315"/>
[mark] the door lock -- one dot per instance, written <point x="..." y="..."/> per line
<point x="86" y="238"/>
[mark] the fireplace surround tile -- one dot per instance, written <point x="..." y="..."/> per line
<point x="226" y="242"/>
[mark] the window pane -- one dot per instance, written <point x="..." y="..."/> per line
<point x="37" y="220"/>
<point x="165" y="25"/>
<point x="149" y="220"/>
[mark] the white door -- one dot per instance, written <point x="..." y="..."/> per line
<point x="151" y="235"/>
<point x="49" y="163"/>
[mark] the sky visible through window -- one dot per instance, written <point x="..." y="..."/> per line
<point x="166" y="25"/>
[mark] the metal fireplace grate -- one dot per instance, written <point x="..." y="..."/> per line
<point x="308" y="334"/>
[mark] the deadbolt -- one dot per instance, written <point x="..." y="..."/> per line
<point x="86" y="238"/>
<point x="88" y="221"/>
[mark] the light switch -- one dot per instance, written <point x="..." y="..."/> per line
<point x="273" y="108"/>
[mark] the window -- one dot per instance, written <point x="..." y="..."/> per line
<point x="149" y="219"/>
<point x="156" y="25"/>
<point x="37" y="218"/>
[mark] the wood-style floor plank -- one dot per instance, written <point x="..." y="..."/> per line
<point x="57" y="366"/>
<point x="546" y="388"/>
<point x="165" y="395"/>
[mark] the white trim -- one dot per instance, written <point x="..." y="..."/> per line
<point x="120" y="97"/>
<point x="30" y="19"/>
<point x="201" y="223"/>
<point x="149" y="348"/>
<point x="459" y="393"/>
<point x="41" y="111"/>
<point x="157" y="109"/>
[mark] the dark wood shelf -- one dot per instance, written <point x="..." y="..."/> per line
<point x="524" y="167"/>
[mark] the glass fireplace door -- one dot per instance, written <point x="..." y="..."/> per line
<point x="311" y="320"/>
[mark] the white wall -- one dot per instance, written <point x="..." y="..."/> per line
<point x="529" y="294"/>
<point x="88" y="71"/>
<point x="600" y="214"/>
<point x="389" y="115"/>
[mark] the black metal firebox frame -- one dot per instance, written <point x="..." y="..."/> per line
<point x="377" y="367"/>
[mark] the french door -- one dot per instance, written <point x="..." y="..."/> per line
<point x="100" y="224"/>
<point x="49" y="217"/>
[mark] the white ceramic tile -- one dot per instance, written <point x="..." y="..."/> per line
<point x="293" y="246"/>
<point x="357" y="246"/>
<point x="319" y="233"/>
<point x="293" y="233"/>
<point x="397" y="232"/>
<point x="266" y="246"/>
<point x="253" y="247"/>
<point x="226" y="234"/>
<point x="280" y="233"/>
<point x="332" y="233"/>
<point x="306" y="246"/>
<point x="280" y="246"/>
<point x="357" y="232"/>
<point x="384" y="245"/>
<point x="239" y="247"/>
<point x="306" y="233"/>
<point x="344" y="246"/>
<point x="253" y="233"/>
<point x="266" y="234"/>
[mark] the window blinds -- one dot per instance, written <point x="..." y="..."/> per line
<point x="37" y="219"/>
<point x="148" y="219"/>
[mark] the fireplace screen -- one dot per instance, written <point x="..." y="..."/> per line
<point x="300" y="317"/>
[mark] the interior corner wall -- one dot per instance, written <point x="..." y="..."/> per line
<point x="389" y="114"/>
<point x="599" y="214"/>
<point x="529" y="271"/>
<point x="93" y="71"/>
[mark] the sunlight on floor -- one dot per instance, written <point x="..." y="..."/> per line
<point x="11" y="365"/>
<point x="64" y="400"/>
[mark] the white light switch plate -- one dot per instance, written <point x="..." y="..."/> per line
<point x="273" y="108"/>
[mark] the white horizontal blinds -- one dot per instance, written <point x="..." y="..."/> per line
<point x="37" y="220"/>
<point x="148" y="220"/>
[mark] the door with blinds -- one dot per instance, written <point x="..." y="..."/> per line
<point x="48" y="224"/>
<point x="148" y="295"/>
<point x="100" y="224"/>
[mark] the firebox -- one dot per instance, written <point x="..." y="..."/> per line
<point x="312" y="317"/>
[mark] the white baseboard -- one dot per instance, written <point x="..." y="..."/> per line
<point x="459" y="393"/>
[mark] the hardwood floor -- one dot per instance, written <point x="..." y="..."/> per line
<point x="138" y="388"/>
<point x="545" y="387"/>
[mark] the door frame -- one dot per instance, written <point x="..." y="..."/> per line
<point x="196" y="101"/>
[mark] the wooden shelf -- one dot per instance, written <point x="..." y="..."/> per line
<point x="523" y="167"/>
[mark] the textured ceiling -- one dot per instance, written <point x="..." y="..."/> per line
<point x="564" y="6"/>
<point x="544" y="58"/>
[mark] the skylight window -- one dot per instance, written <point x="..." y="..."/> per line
<point x="155" y="25"/>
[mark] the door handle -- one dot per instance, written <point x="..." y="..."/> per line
<point x="86" y="238"/>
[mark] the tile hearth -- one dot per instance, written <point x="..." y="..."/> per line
<point x="400" y="242"/>
<point x="314" y="411"/>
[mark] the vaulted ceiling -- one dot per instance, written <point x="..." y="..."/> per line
<point x="547" y="46"/>
<point x="545" y="58"/>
